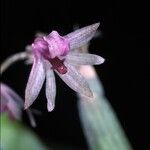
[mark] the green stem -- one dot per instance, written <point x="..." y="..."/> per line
<point x="12" y="59"/>
<point x="100" y="123"/>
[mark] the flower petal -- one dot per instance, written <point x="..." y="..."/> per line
<point x="14" y="96"/>
<point x="50" y="86"/>
<point x="8" y="94"/>
<point x="13" y="109"/>
<point x="81" y="36"/>
<point x="75" y="81"/>
<point x="35" y="82"/>
<point x="11" y="101"/>
<point x="84" y="59"/>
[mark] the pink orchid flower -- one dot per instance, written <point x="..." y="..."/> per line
<point x="12" y="103"/>
<point x="55" y="53"/>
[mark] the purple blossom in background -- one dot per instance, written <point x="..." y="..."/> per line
<point x="55" y="53"/>
<point x="12" y="103"/>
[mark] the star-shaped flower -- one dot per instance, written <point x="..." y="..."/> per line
<point x="54" y="53"/>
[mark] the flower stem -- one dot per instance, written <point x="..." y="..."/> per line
<point x="100" y="123"/>
<point x="12" y="59"/>
<point x="101" y="126"/>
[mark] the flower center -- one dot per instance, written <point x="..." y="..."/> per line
<point x="58" y="65"/>
<point x="52" y="45"/>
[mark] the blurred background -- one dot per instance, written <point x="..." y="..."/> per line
<point x="124" y="74"/>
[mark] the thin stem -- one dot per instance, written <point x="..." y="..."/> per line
<point x="31" y="118"/>
<point x="12" y="59"/>
<point x="101" y="126"/>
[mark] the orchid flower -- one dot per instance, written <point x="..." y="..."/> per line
<point x="12" y="103"/>
<point x="55" y="53"/>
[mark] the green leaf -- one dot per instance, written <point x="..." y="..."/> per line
<point x="14" y="136"/>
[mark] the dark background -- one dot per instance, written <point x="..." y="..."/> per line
<point x="124" y="74"/>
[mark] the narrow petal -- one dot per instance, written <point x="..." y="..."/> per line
<point x="35" y="82"/>
<point x="11" y="101"/>
<point x="84" y="59"/>
<point x="81" y="36"/>
<point x="14" y="110"/>
<point x="14" y="96"/>
<point x="15" y="104"/>
<point x="50" y="86"/>
<point x="75" y="81"/>
<point x="3" y="103"/>
<point x="9" y="94"/>
<point x="8" y="104"/>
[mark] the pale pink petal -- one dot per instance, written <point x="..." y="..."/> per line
<point x="84" y="59"/>
<point x="50" y="86"/>
<point x="35" y="82"/>
<point x="15" y="97"/>
<point x="3" y="104"/>
<point x="13" y="108"/>
<point x="81" y="36"/>
<point x="75" y="81"/>
<point x="15" y="104"/>
<point x="11" y="101"/>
